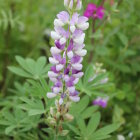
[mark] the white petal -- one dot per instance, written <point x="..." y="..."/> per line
<point x="79" y="6"/>
<point x="121" y="137"/>
<point x="62" y="40"/>
<point x="80" y="40"/>
<point x="83" y="26"/>
<point x="66" y="78"/>
<point x="78" y="75"/>
<point x="75" y="98"/>
<point x="58" y="22"/>
<point x="71" y="89"/>
<point x="55" y="35"/>
<point x="66" y="2"/>
<point x="72" y="28"/>
<point x="56" y="89"/>
<point x="52" y="74"/>
<point x="60" y="101"/>
<point x="53" y="60"/>
<point x="55" y="50"/>
<point x="51" y="95"/>
<point x="71" y="4"/>
<point x="77" y="66"/>
<point x="53" y="79"/>
<point x="81" y="52"/>
<point x="76" y="81"/>
<point x="103" y="81"/>
<point x="59" y="67"/>
<point x="70" y="54"/>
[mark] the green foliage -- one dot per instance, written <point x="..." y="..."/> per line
<point x="84" y="114"/>
<point x="30" y="68"/>
<point x="24" y="31"/>
<point x="93" y="81"/>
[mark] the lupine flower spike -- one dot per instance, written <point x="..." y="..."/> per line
<point x="68" y="52"/>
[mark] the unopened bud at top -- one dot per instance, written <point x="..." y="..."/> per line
<point x="73" y="4"/>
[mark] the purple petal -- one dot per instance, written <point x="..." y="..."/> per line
<point x="57" y="57"/>
<point x="75" y="71"/>
<point x="59" y="46"/>
<point x="53" y="68"/>
<point x="63" y="95"/>
<point x="74" y="93"/>
<point x="70" y="47"/>
<point x="75" y="59"/>
<point x="77" y="33"/>
<point x="82" y="19"/>
<point x="100" y="12"/>
<point x="62" y="32"/>
<point x="67" y="70"/>
<point x="58" y="84"/>
<point x="74" y="19"/>
<point x="63" y="16"/>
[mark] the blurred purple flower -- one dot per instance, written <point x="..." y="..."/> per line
<point x="93" y="11"/>
<point x="100" y="102"/>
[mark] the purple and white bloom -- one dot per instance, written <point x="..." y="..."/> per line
<point x="101" y="102"/>
<point x="68" y="52"/>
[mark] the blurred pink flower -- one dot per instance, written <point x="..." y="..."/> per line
<point x="93" y="11"/>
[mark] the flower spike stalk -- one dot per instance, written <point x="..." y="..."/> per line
<point x="68" y="52"/>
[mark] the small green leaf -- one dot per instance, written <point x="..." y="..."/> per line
<point x="81" y="125"/>
<point x="105" y="131"/>
<point x="89" y="112"/>
<point x="74" y="129"/>
<point x="35" y="112"/>
<point x="93" y="123"/>
<point x="9" y="129"/>
<point x="19" y="71"/>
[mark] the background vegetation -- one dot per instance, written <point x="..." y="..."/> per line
<point x="24" y="31"/>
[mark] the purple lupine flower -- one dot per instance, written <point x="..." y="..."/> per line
<point x="68" y="52"/>
<point x="100" y="102"/>
<point x="93" y="11"/>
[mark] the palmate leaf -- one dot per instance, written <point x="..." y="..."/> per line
<point x="104" y="132"/>
<point x="19" y="72"/>
<point x="81" y="109"/>
<point x="93" y="123"/>
<point x="92" y="83"/>
<point x="32" y="106"/>
<point x="87" y="130"/>
<point x="36" y="88"/>
<point x="88" y="112"/>
<point x="30" y="68"/>
<point x="76" y="109"/>
<point x="17" y="121"/>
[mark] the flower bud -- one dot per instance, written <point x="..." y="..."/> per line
<point x="79" y="5"/>
<point x="58" y="115"/>
<point x="51" y="95"/>
<point x="66" y="3"/>
<point x="51" y="111"/>
<point x="68" y="117"/>
<point x="51" y="121"/>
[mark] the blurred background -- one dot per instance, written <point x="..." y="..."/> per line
<point x="25" y="27"/>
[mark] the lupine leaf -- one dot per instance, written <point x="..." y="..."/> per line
<point x="93" y="123"/>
